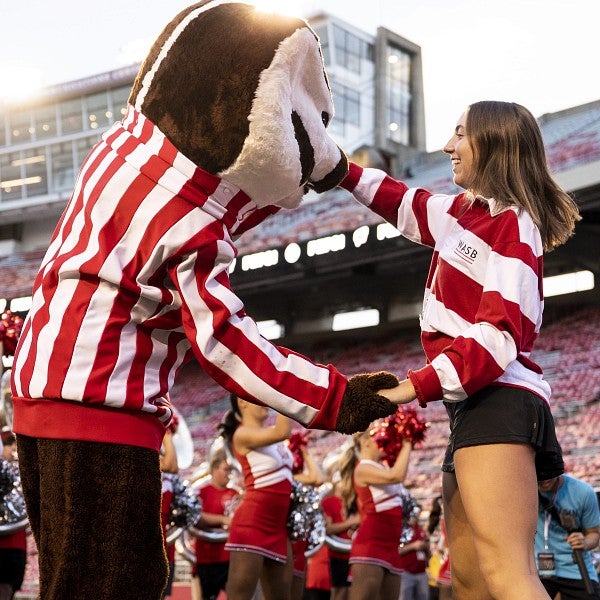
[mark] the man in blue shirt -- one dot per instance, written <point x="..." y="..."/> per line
<point x="568" y="525"/>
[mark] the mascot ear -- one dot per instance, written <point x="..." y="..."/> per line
<point x="288" y="136"/>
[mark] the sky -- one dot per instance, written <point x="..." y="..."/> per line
<point x="543" y="54"/>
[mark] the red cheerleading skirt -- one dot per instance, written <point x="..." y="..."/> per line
<point x="259" y="522"/>
<point x="377" y="539"/>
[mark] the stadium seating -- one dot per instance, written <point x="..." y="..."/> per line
<point x="568" y="350"/>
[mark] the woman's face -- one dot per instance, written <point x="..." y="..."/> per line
<point x="461" y="154"/>
<point x="257" y="411"/>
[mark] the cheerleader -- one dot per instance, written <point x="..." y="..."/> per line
<point x="168" y="467"/>
<point x="258" y="543"/>
<point x="342" y="522"/>
<point x="218" y="499"/>
<point x="307" y="473"/>
<point x="374" y="559"/>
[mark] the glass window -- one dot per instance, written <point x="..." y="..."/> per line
<point x="11" y="179"/>
<point x="36" y="181"/>
<point x="45" y="122"/>
<point x="349" y="49"/>
<point x="63" y="167"/>
<point x="399" y="97"/>
<point x="347" y="104"/>
<point x="71" y="116"/>
<point x="83" y="148"/>
<point x="2" y="130"/>
<point x="119" y="102"/>
<point x="21" y="129"/>
<point x="321" y="32"/>
<point x="98" y="114"/>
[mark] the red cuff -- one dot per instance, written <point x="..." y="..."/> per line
<point x="427" y="385"/>
<point x="327" y="416"/>
<point x="351" y="180"/>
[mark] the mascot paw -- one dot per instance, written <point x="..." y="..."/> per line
<point x="362" y="405"/>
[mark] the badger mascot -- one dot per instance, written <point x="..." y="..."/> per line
<point x="226" y="124"/>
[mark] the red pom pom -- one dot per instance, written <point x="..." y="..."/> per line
<point x="389" y="433"/>
<point x="295" y="443"/>
<point x="10" y="330"/>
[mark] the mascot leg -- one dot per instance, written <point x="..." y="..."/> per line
<point x="94" y="510"/>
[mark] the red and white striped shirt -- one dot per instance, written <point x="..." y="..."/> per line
<point x="266" y="466"/>
<point x="377" y="498"/>
<point x="483" y="302"/>
<point x="134" y="283"/>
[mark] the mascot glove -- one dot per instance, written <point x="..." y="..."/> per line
<point x="361" y="405"/>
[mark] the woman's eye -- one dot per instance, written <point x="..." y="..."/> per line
<point x="325" y="118"/>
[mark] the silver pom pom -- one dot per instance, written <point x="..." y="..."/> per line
<point x="306" y="520"/>
<point x="185" y="505"/>
<point x="13" y="514"/>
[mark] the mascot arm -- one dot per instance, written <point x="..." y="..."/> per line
<point x="231" y="350"/>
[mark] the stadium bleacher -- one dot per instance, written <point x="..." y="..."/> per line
<point x="568" y="350"/>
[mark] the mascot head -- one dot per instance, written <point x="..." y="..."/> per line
<point x="244" y="95"/>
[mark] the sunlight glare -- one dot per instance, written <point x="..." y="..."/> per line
<point x="291" y="8"/>
<point x="18" y="81"/>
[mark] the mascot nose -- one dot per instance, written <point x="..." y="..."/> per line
<point x="334" y="177"/>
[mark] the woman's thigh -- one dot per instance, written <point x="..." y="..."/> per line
<point x="494" y="499"/>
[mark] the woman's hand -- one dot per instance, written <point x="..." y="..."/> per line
<point x="403" y="393"/>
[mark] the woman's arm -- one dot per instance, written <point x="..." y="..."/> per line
<point x="247" y="438"/>
<point x="366" y="474"/>
<point x="312" y="474"/>
<point x="168" y="460"/>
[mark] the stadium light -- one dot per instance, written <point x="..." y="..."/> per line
<point x="360" y="236"/>
<point x="568" y="283"/>
<point x="258" y="260"/>
<point x="3" y="304"/>
<point x="368" y="317"/>
<point x="292" y="253"/>
<point x="270" y="329"/>
<point x="330" y="243"/>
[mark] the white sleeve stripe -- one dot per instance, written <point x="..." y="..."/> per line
<point x="449" y="379"/>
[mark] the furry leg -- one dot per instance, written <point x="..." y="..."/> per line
<point x="94" y="509"/>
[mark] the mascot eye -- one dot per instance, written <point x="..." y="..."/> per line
<point x="325" y="118"/>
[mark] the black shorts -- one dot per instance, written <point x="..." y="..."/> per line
<point x="570" y="589"/>
<point x="12" y="567"/>
<point x="505" y="415"/>
<point x="340" y="571"/>
<point x="213" y="578"/>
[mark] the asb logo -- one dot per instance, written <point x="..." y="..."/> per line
<point x="466" y="252"/>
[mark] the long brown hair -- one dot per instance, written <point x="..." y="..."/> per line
<point x="346" y="464"/>
<point x="511" y="167"/>
<point x="231" y="421"/>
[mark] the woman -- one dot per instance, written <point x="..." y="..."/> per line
<point x="258" y="543"/>
<point x="218" y="499"/>
<point x="377" y="490"/>
<point x="342" y="522"/>
<point x="481" y="315"/>
<point x="168" y="468"/>
<point x="307" y="473"/>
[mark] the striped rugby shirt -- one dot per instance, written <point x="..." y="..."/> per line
<point x="483" y="302"/>
<point x="133" y="285"/>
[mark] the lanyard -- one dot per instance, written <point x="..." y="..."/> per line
<point x="546" y="529"/>
<point x="547" y="509"/>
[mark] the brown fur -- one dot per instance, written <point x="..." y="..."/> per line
<point x="101" y="519"/>
<point x="361" y="404"/>
<point x="204" y="119"/>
